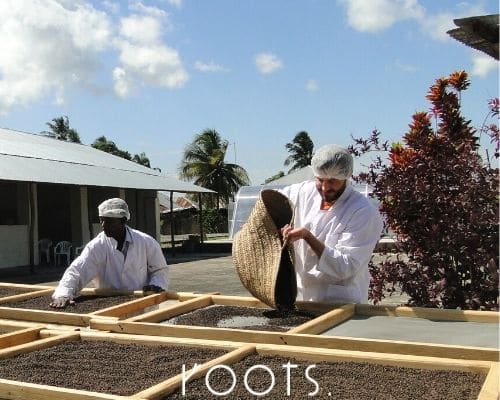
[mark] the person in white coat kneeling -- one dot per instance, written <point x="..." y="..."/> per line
<point x="118" y="258"/>
<point x="334" y="231"/>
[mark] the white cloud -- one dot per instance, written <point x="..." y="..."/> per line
<point x="377" y="15"/>
<point x="141" y="28"/>
<point x="311" y="85"/>
<point x="267" y="63"/>
<point x="145" y="59"/>
<point x="209" y="67"/>
<point x="47" y="47"/>
<point x="483" y="64"/>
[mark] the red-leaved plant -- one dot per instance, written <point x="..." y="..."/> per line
<point x="440" y="198"/>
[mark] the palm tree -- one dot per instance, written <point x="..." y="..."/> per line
<point x="103" y="144"/>
<point x="141" y="159"/>
<point x="301" y="151"/>
<point x="203" y="162"/>
<point x="60" y="129"/>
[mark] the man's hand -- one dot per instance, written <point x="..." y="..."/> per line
<point x="60" y="302"/>
<point x="151" y="289"/>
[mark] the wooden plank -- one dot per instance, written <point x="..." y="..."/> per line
<point x="24" y="286"/>
<point x="430" y="313"/>
<point x="30" y="391"/>
<point x="242" y="301"/>
<point x="27" y="295"/>
<point x="19" y="337"/>
<point x="398" y="360"/>
<point x="490" y="389"/>
<point x="131" y="306"/>
<point x="38" y="344"/>
<point x="170" y="385"/>
<point x="14" y="325"/>
<point x="326" y="321"/>
<point x="174" y="310"/>
<point x="56" y="317"/>
<point x="280" y="338"/>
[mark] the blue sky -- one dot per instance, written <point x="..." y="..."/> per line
<point x="150" y="75"/>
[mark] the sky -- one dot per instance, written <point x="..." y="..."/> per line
<point x="150" y="75"/>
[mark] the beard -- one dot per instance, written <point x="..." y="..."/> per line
<point x="332" y="195"/>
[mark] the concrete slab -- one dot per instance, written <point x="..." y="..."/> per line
<point x="418" y="330"/>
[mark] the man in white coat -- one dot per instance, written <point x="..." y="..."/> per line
<point x="118" y="258"/>
<point x="334" y="231"/>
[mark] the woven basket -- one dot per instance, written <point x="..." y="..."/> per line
<point x="264" y="264"/>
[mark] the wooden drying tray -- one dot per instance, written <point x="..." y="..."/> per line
<point x="34" y="339"/>
<point x="66" y="318"/>
<point x="37" y="339"/>
<point x="303" y="335"/>
<point x="25" y="291"/>
<point x="148" y="323"/>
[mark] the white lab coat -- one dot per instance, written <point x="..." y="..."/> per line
<point x="350" y="229"/>
<point x="102" y="262"/>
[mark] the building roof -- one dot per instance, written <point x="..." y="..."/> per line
<point x="479" y="32"/>
<point x="30" y="157"/>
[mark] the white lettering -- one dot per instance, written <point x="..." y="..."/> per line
<point x="288" y="366"/>
<point x="207" y="380"/>
<point x="312" y="380"/>
<point x="184" y="378"/>
<point x="249" y="389"/>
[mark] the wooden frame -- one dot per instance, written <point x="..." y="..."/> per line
<point x="306" y="334"/>
<point x="66" y="318"/>
<point x="332" y="315"/>
<point x="37" y="338"/>
<point x="26" y="291"/>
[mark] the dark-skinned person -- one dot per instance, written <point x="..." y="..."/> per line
<point x="118" y="258"/>
<point x="334" y="231"/>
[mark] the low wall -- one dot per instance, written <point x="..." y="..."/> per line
<point x="14" y="246"/>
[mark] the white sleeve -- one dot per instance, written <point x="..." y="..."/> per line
<point x="81" y="271"/>
<point x="353" y="249"/>
<point x="157" y="265"/>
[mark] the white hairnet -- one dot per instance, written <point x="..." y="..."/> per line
<point x="114" y="208"/>
<point x="332" y="161"/>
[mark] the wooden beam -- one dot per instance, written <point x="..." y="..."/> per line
<point x="429" y="313"/>
<point x="27" y="295"/>
<point x="174" y="310"/>
<point x="55" y="317"/>
<point x="490" y="389"/>
<point x="326" y="321"/>
<point x="38" y="344"/>
<point x="19" y="337"/>
<point x="130" y="307"/>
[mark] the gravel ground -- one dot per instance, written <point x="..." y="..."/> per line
<point x="238" y="317"/>
<point x="335" y="380"/>
<point x="106" y="367"/>
<point x="82" y="304"/>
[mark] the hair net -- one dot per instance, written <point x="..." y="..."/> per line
<point x="332" y="161"/>
<point x="114" y="208"/>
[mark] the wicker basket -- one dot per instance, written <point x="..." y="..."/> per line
<point x="264" y="263"/>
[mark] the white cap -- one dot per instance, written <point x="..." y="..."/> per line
<point x="332" y="162"/>
<point x="114" y="208"/>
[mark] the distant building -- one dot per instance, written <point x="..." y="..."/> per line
<point x="51" y="189"/>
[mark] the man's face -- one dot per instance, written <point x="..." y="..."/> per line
<point x="330" y="189"/>
<point x="112" y="227"/>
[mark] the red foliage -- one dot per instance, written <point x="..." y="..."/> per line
<point x="441" y="200"/>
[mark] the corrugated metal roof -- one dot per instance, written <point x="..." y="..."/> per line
<point x="36" y="158"/>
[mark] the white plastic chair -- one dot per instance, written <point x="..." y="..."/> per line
<point x="62" y="249"/>
<point x="44" y="247"/>
<point x="78" y="250"/>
